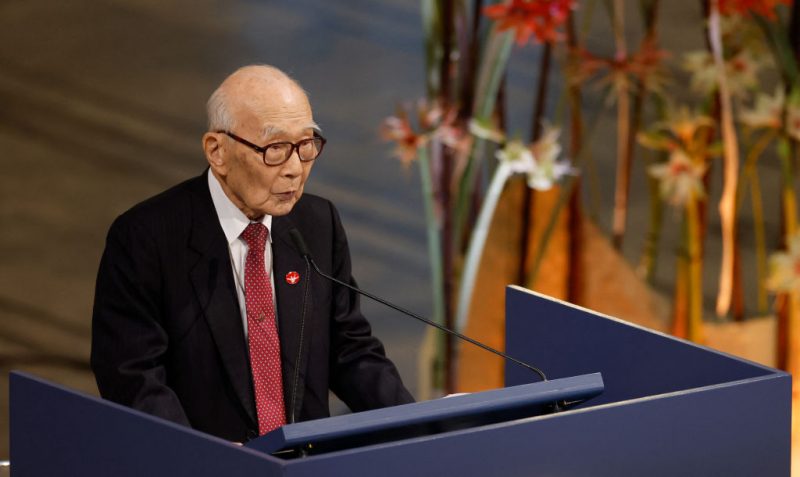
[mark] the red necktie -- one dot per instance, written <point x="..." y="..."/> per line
<point x="262" y="332"/>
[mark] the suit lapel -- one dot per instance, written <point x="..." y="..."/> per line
<point x="212" y="280"/>
<point x="294" y="321"/>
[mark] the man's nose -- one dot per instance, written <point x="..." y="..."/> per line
<point x="293" y="166"/>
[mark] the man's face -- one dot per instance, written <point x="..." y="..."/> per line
<point x="257" y="189"/>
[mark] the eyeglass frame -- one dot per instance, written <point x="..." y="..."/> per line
<point x="263" y="149"/>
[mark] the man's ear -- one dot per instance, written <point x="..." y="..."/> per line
<point x="215" y="152"/>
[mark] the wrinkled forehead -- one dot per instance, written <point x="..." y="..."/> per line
<point x="275" y="112"/>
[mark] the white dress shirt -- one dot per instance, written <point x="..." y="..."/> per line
<point x="233" y="223"/>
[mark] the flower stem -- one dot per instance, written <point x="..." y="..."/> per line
<point x="727" y="203"/>
<point x="680" y="299"/>
<point x="493" y="66"/>
<point x="695" y="271"/>
<point x="577" y="286"/>
<point x="750" y="174"/>
<point x="536" y="131"/>
<point x="789" y="222"/>
<point x="476" y="245"/>
<point x="623" y="131"/>
<point x="434" y="255"/>
<point x="647" y="261"/>
<point x="788" y="341"/>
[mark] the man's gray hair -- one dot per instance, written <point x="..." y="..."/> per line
<point x="219" y="115"/>
<point x="218" y="107"/>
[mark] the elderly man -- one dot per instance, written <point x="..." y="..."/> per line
<point x="205" y="313"/>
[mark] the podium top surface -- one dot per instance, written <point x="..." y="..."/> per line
<point x="429" y="417"/>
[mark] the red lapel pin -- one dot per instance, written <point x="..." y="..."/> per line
<point x="292" y="278"/>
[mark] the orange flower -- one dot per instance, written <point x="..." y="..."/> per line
<point x="540" y="18"/>
<point x="434" y="123"/>
<point x="644" y="66"/>
<point x="765" y="8"/>
<point x="398" y="129"/>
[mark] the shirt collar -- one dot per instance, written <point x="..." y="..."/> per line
<point x="232" y="220"/>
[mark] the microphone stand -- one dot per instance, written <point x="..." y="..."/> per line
<point x="304" y="251"/>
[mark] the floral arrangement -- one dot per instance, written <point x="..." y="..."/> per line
<point x="458" y="140"/>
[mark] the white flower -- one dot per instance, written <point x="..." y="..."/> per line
<point x="680" y="178"/>
<point x="741" y="71"/>
<point x="517" y="157"/>
<point x="549" y="169"/>
<point x="784" y="268"/>
<point x="539" y="162"/>
<point x="768" y="113"/>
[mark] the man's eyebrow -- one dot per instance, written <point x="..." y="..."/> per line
<point x="270" y="131"/>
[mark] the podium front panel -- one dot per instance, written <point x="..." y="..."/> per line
<point x="59" y="432"/>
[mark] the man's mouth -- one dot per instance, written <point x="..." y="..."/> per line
<point x="288" y="195"/>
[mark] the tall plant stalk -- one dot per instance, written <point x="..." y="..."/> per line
<point x="789" y="343"/>
<point x="680" y="296"/>
<point x="694" y="272"/>
<point x="435" y="257"/>
<point x="447" y="159"/>
<point x="478" y="241"/>
<point x="727" y="203"/>
<point x="490" y="74"/>
<point x="647" y="261"/>
<point x="576" y="286"/>
<point x="624" y="148"/>
<point x="750" y="176"/>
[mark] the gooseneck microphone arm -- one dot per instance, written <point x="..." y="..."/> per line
<point x="304" y="251"/>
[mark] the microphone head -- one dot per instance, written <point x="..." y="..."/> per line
<point x="299" y="243"/>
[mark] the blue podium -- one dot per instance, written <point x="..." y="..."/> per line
<point x="667" y="407"/>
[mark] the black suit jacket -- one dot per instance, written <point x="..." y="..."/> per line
<point x="167" y="333"/>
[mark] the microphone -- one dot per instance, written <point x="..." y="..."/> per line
<point x="301" y="246"/>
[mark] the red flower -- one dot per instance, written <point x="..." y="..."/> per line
<point x="745" y="8"/>
<point x="540" y="18"/>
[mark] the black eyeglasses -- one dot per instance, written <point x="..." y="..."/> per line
<point x="276" y="153"/>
